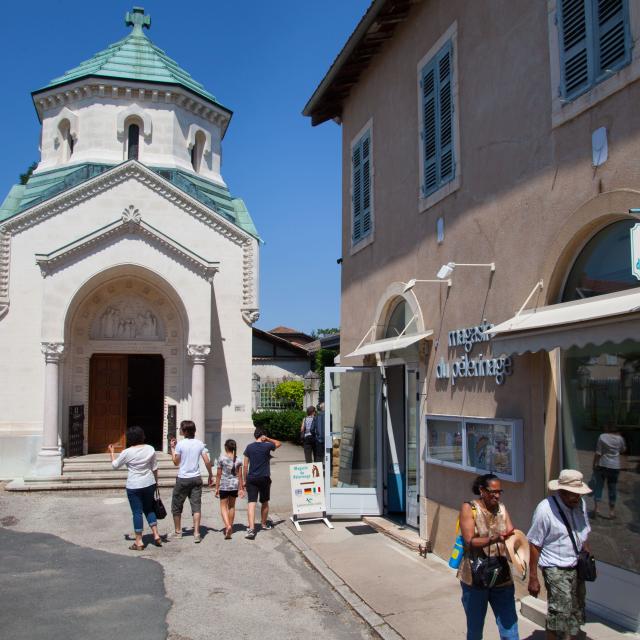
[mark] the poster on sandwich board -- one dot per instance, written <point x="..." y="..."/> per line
<point x="307" y="488"/>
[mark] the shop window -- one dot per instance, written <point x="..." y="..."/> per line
<point x="133" y="141"/>
<point x="604" y="265"/>
<point x="361" y="189"/>
<point x="601" y="406"/>
<point x="477" y="445"/>
<point x="595" y="42"/>
<point x="438" y="158"/>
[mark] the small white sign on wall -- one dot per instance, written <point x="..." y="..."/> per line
<point x="634" y="236"/>
<point x="599" y="147"/>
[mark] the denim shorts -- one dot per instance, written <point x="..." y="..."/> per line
<point x="187" y="488"/>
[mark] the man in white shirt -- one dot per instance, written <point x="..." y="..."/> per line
<point x="552" y="549"/>
<point x="187" y="454"/>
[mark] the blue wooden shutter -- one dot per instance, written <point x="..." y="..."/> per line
<point x="437" y="121"/>
<point x="575" y="38"/>
<point x="429" y="129"/>
<point x="611" y="35"/>
<point x="446" y="163"/>
<point x="356" y="187"/>
<point x="366" y="184"/>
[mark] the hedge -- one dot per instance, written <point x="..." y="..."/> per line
<point x="281" y="425"/>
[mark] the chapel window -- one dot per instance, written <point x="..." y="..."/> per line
<point x="133" y="142"/>
<point x="66" y="140"/>
<point x="197" y="151"/>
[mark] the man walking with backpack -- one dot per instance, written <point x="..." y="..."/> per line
<point x="257" y="473"/>
<point x="309" y="435"/>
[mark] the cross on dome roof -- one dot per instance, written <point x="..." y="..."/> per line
<point x="137" y="19"/>
<point x="135" y="58"/>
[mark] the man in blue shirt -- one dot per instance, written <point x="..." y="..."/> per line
<point x="257" y="473"/>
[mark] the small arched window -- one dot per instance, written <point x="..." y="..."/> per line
<point x="401" y="320"/>
<point x="133" y="141"/>
<point x="197" y="151"/>
<point x="66" y="140"/>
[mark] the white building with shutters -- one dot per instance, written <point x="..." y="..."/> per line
<point x="128" y="271"/>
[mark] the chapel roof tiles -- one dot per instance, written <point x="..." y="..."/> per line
<point x="135" y="57"/>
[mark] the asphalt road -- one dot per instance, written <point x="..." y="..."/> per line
<point x="55" y="590"/>
<point x="67" y="573"/>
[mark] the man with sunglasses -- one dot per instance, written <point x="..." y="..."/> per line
<point x="553" y="550"/>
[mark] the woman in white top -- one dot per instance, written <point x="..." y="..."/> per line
<point x="140" y="460"/>
<point x="606" y="466"/>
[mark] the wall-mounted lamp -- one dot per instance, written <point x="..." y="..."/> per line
<point x="447" y="269"/>
<point x="412" y="283"/>
<point x="635" y="211"/>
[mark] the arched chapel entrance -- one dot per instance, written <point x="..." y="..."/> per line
<point x="126" y="341"/>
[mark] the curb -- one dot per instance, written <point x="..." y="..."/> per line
<point x="368" y="615"/>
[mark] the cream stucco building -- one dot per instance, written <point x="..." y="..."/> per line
<point x="128" y="271"/>
<point x="497" y="140"/>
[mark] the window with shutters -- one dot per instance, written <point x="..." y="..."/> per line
<point x="438" y="124"/>
<point x="437" y="131"/>
<point x="594" y="42"/>
<point x="361" y="188"/>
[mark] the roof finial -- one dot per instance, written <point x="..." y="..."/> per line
<point x="137" y="19"/>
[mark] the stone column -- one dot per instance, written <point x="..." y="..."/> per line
<point x="198" y="354"/>
<point x="49" y="462"/>
<point x="255" y="392"/>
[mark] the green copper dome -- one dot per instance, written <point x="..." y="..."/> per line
<point x="135" y="57"/>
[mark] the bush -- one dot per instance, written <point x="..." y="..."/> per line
<point x="281" y="425"/>
<point x="291" y="392"/>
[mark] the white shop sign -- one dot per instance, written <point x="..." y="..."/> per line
<point x="307" y="492"/>
<point x="479" y="367"/>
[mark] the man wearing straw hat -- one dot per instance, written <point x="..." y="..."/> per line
<point x="552" y="550"/>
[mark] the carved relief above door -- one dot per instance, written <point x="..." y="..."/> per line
<point x="127" y="318"/>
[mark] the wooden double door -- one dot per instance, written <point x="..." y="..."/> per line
<point x="125" y="390"/>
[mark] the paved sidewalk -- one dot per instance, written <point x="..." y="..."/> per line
<point x="399" y="593"/>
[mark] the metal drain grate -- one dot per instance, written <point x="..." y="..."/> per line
<point x="361" y="530"/>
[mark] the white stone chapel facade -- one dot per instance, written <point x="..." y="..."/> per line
<point x="128" y="272"/>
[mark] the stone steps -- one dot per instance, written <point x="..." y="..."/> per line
<point x="57" y="484"/>
<point x="93" y="472"/>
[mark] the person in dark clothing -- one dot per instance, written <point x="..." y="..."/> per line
<point x="257" y="472"/>
<point x="309" y="435"/>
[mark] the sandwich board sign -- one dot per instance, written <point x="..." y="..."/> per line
<point x="634" y="234"/>
<point x="307" y="493"/>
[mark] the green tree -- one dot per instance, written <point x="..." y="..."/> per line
<point x="324" y="358"/>
<point x="24" y="177"/>
<point x="319" y="333"/>
<point x="291" y="392"/>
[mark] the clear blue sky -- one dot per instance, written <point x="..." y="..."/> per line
<point x="261" y="59"/>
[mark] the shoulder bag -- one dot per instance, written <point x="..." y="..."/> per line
<point x="487" y="570"/>
<point x="158" y="507"/>
<point x="586" y="566"/>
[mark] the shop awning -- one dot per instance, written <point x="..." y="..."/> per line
<point x="389" y="344"/>
<point x="614" y="317"/>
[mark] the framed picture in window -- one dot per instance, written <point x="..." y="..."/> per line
<point x="477" y="445"/>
